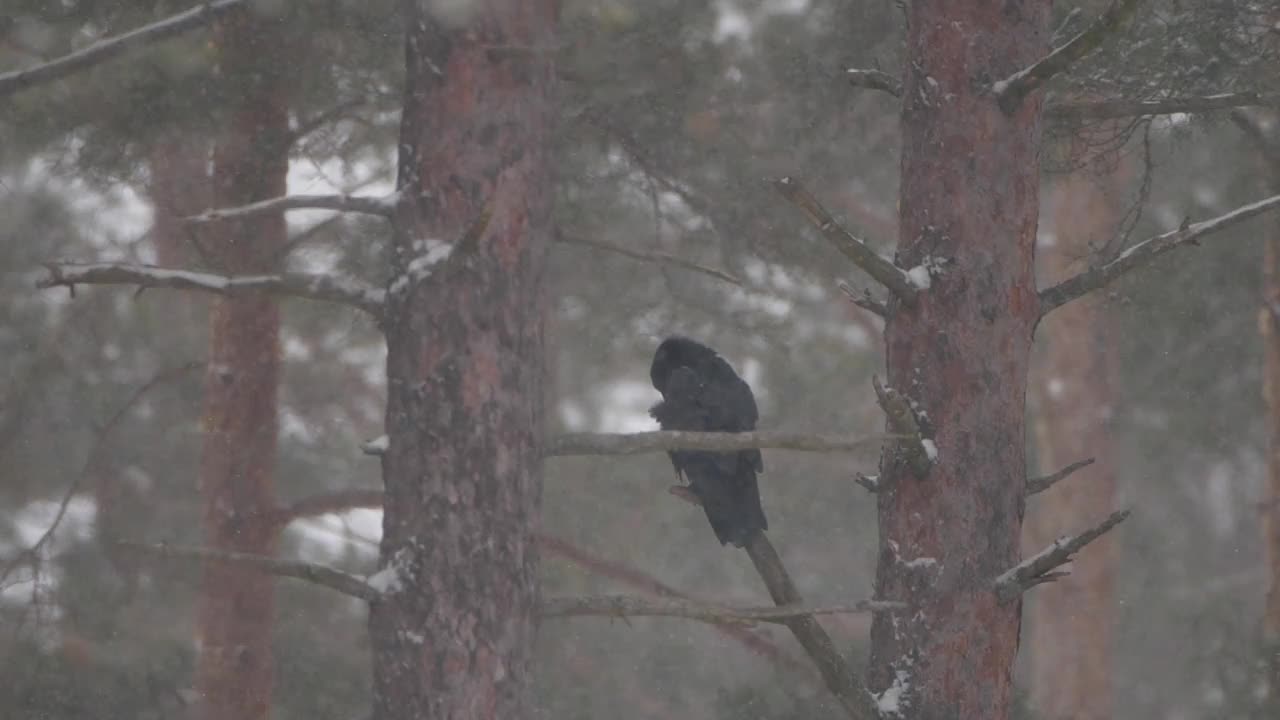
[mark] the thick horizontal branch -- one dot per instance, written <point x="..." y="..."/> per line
<point x="1040" y="484"/>
<point x="660" y="258"/>
<point x="884" y="272"/>
<point x="874" y="80"/>
<point x="1040" y="567"/>
<point x="633" y="606"/>
<point x="314" y="287"/>
<point x="109" y="48"/>
<point x="660" y="441"/>
<point x="1119" y="108"/>
<point x="1011" y="91"/>
<point x="321" y="575"/>
<point x="1146" y="251"/>
<point x="382" y="206"/>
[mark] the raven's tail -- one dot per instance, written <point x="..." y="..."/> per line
<point x="732" y="504"/>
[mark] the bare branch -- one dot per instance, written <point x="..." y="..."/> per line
<point x="864" y="300"/>
<point x="874" y="80"/>
<point x="1040" y="568"/>
<point x="836" y="673"/>
<point x="381" y="206"/>
<point x="109" y="48"/>
<point x="314" y="287"/>
<point x="885" y="272"/>
<point x="648" y="256"/>
<point x="321" y="575"/>
<point x="869" y="482"/>
<point x="919" y="451"/>
<point x="1040" y="484"/>
<point x="1146" y="251"/>
<point x="633" y="606"/>
<point x="1118" y="108"/>
<point x="659" y="441"/>
<point x="1011" y="91"/>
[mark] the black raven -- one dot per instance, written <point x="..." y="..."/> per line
<point x="701" y="392"/>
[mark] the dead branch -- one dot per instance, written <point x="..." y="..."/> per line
<point x="864" y="300"/>
<point x="659" y="441"/>
<point x="1118" y="108"/>
<point x="313" y="287"/>
<point x="885" y="272"/>
<point x="382" y="206"/>
<point x="327" y="577"/>
<point x="836" y="673"/>
<point x="109" y="48"/>
<point x="871" y="483"/>
<point x="1146" y="251"/>
<point x="660" y="258"/>
<point x="918" y="450"/>
<point x="874" y="80"/>
<point x="1040" y="568"/>
<point x="633" y="606"/>
<point x="1040" y="484"/>
<point x="1012" y="90"/>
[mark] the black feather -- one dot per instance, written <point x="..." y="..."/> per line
<point x="702" y="393"/>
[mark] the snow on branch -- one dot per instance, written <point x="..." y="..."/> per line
<point x="919" y="451"/>
<point x="1146" y="251"/>
<point x="660" y="258"/>
<point x="662" y="440"/>
<point x="1040" y="484"/>
<point x="857" y="250"/>
<point x="1011" y="91"/>
<point x="1039" y="568"/>
<point x="382" y="206"/>
<point x="1123" y="108"/>
<point x="874" y="80"/>
<point x="103" y="50"/>
<point x="344" y="291"/>
<point x="321" y="575"/>
<point x="634" y="606"/>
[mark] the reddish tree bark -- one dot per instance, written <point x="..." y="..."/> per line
<point x="1069" y="626"/>
<point x="968" y="199"/>
<point x="452" y="636"/>
<point x="234" y="670"/>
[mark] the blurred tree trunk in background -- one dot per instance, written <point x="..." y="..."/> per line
<point x="236" y="608"/>
<point x="1269" y="327"/>
<point x="178" y="187"/>
<point x="969" y="198"/>
<point x="1069" y="627"/>
<point x="453" y="636"/>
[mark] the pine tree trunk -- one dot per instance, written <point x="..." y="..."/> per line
<point x="1269" y="325"/>
<point x="234" y="670"/>
<point x="1069" y="625"/>
<point x="453" y="634"/>
<point x="969" y="199"/>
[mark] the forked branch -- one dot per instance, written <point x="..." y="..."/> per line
<point x="857" y="250"/>
<point x="1040" y="568"/>
<point x="1012" y="90"/>
<point x="344" y="291"/>
<point x="1146" y="251"/>
<point x="108" y="48"/>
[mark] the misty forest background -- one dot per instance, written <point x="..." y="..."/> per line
<point x="671" y="116"/>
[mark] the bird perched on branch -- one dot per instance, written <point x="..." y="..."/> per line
<point x="702" y="393"/>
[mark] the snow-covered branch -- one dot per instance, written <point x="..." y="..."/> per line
<point x="1123" y="108"/>
<point x="1039" y="568"/>
<point x="321" y="575"/>
<point x="660" y="441"/>
<point x="106" y="49"/>
<point x="344" y="291"/>
<point x="1040" y="484"/>
<point x="382" y="206"/>
<point x="1146" y="251"/>
<point x="634" y="606"/>
<point x="874" y="80"/>
<point x="1011" y="91"/>
<point x="885" y="272"/>
<point x="660" y="258"/>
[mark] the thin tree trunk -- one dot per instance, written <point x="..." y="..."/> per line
<point x="1069" y="626"/>
<point x="453" y="635"/>
<point x="234" y="670"/>
<point x="968" y="200"/>
<point x="1269" y="326"/>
